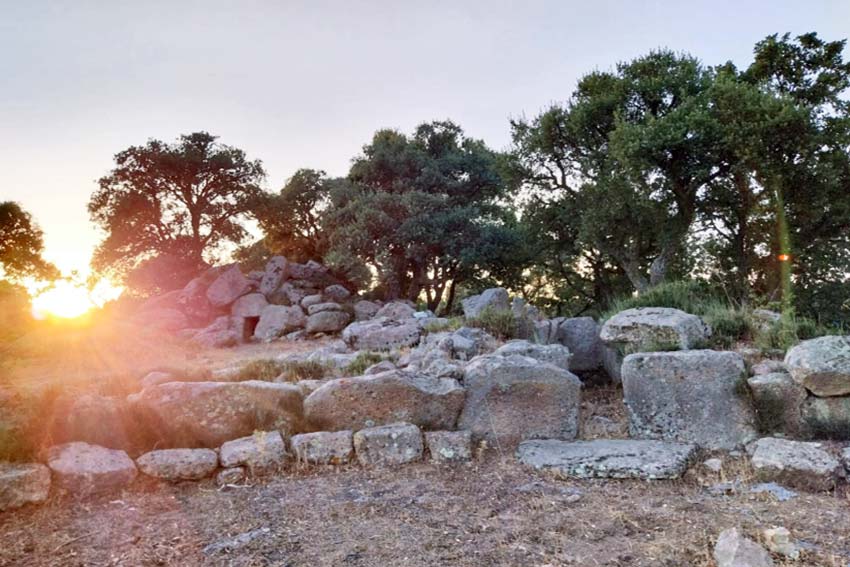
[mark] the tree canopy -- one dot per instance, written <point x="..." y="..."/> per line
<point x="22" y="245"/>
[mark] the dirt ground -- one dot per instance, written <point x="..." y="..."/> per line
<point x="490" y="512"/>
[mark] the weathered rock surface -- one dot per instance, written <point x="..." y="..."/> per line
<point x="277" y="320"/>
<point x="496" y="299"/>
<point x="609" y="458"/>
<point x="827" y="418"/>
<point x="696" y="396"/>
<point x="734" y="550"/>
<point x="22" y="484"/>
<point x="84" y="469"/>
<point x="154" y="378"/>
<point x="230" y="475"/>
<point x="262" y="452"/>
<point x="821" y="365"/>
<point x="178" y="464"/>
<point x="513" y="398"/>
<point x="769" y="366"/>
<point x="250" y="305"/>
<point x="381" y="334"/>
<point x="778" y="401"/>
<point x="364" y="310"/>
<point x="797" y="464"/>
<point x="324" y="447"/>
<point x="449" y="446"/>
<point x="581" y="336"/>
<point x="379" y="399"/>
<point x="654" y="328"/>
<point x="396" y="311"/>
<point x="845" y="458"/>
<point x="336" y="292"/>
<point x="206" y="414"/>
<point x="277" y="270"/>
<point x="778" y="540"/>
<point x="228" y="287"/>
<point x="388" y="445"/>
<point x="222" y="332"/>
<point x="556" y="355"/>
<point x="327" y="321"/>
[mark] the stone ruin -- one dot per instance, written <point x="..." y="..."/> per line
<point x="446" y="394"/>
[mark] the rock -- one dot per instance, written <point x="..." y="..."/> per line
<point x="714" y="465"/>
<point x="22" y="484"/>
<point x="827" y="417"/>
<point x="396" y="311"/>
<point x="206" y="414"/>
<point x="178" y="464"/>
<point x="262" y="452"/>
<point x="288" y="294"/>
<point x="495" y="299"/>
<point x="734" y="550"/>
<point x="277" y="320"/>
<point x="526" y="318"/>
<point x="311" y="300"/>
<point x="513" y="398"/>
<point x="192" y="299"/>
<point x="365" y="310"/>
<point x="223" y="332"/>
<point x="777" y="400"/>
<point x="324" y="447"/>
<point x="228" y="287"/>
<point x="778" y="540"/>
<point x="768" y="366"/>
<point x="337" y="292"/>
<point x="326" y="306"/>
<point x="154" y="378"/>
<point x="277" y="270"/>
<point x="797" y="464"/>
<point x="388" y="445"/>
<point x="845" y="458"/>
<point x="379" y="399"/>
<point x="230" y="476"/>
<point x="765" y="319"/>
<point x="449" y="446"/>
<point x="653" y="328"/>
<point x="250" y="305"/>
<point x="327" y="321"/>
<point x="85" y="469"/>
<point x="380" y="335"/>
<point x="608" y="458"/>
<point x="581" y="336"/>
<point x="612" y="362"/>
<point x="556" y="355"/>
<point x="307" y="387"/>
<point x="821" y="365"/>
<point x="696" y="396"/>
<point x="98" y="420"/>
<point x="380" y="367"/>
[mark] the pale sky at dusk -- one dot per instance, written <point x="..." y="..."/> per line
<point x="305" y="84"/>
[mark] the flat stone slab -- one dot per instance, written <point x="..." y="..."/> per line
<point x="794" y="463"/>
<point x="85" y="469"/>
<point x="608" y="458"/>
<point x="178" y="464"/>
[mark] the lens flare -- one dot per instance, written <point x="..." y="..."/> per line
<point x="67" y="300"/>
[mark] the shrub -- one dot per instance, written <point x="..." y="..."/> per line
<point x="500" y="323"/>
<point x="789" y="331"/>
<point x="362" y="361"/>
<point x="442" y="325"/>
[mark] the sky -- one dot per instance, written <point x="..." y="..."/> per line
<point x="306" y="84"/>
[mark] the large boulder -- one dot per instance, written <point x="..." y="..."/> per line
<point x="228" y="287"/>
<point x="513" y="398"/>
<point x="388" y="397"/>
<point x="556" y="355"/>
<point x="223" y="332"/>
<point x="778" y="399"/>
<point x="396" y="311"/>
<point x="653" y="328"/>
<point x="697" y="396"/>
<point x="608" y="458"/>
<point x="206" y="414"/>
<point x="178" y="464"/>
<point x="365" y="310"/>
<point x="581" y="336"/>
<point x="734" y="550"/>
<point x="827" y="417"/>
<point x="797" y="464"/>
<point x="821" y="365"/>
<point x="388" y="445"/>
<point x="277" y="320"/>
<point x="22" y="484"/>
<point x="85" y="469"/>
<point x="381" y="334"/>
<point x="277" y="270"/>
<point x="327" y="321"/>
<point x="495" y="299"/>
<point x="261" y="452"/>
<point x="250" y="305"/>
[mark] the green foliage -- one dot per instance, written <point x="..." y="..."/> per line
<point x="451" y="324"/>
<point x="789" y="331"/>
<point x="271" y="370"/>
<point x="182" y="201"/>
<point x="500" y="323"/>
<point x="362" y="361"/>
<point x="21" y="245"/>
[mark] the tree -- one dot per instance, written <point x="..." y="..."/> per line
<point x="185" y="201"/>
<point x="22" y="245"/>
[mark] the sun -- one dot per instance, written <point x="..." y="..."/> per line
<point x="68" y="300"/>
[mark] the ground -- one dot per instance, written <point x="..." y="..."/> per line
<point x="489" y="512"/>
